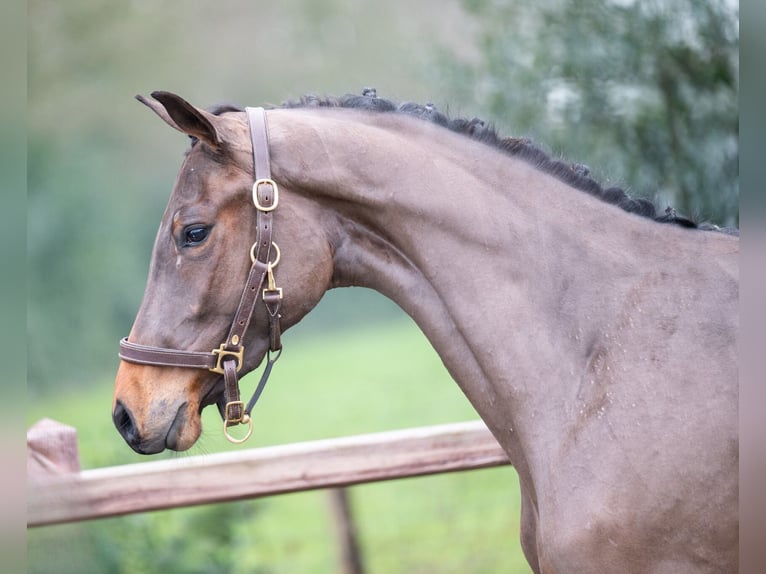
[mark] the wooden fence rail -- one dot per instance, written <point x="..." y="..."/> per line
<point x="59" y="492"/>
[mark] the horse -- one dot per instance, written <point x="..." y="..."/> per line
<point x="595" y="335"/>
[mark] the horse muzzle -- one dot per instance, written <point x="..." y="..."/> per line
<point x="156" y="409"/>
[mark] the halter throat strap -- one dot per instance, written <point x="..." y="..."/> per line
<point x="228" y="358"/>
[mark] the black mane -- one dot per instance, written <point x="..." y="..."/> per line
<point x="574" y="174"/>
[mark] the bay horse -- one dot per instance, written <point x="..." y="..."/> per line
<point x="596" y="337"/>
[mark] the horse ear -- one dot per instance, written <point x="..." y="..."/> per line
<point x="158" y="109"/>
<point x="184" y="117"/>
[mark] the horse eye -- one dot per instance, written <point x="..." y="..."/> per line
<point x="195" y="235"/>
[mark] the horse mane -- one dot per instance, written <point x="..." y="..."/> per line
<point x="574" y="174"/>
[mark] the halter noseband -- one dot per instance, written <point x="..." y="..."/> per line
<point x="228" y="357"/>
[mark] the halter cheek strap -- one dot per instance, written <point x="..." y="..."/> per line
<point x="227" y="359"/>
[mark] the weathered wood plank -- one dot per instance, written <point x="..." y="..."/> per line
<point x="52" y="449"/>
<point x="260" y="472"/>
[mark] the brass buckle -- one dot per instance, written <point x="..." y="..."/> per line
<point x="231" y="420"/>
<point x="223" y="352"/>
<point x="272" y="284"/>
<point x="257" y="203"/>
<point x="278" y="291"/>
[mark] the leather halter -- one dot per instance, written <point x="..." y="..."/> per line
<point x="228" y="357"/>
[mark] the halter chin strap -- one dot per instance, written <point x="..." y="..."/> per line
<point x="227" y="359"/>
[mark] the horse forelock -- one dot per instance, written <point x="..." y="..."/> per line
<point x="573" y="174"/>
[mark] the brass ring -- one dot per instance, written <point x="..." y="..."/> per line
<point x="274" y="187"/>
<point x="245" y="420"/>
<point x="276" y="248"/>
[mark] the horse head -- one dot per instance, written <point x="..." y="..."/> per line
<point x="199" y="266"/>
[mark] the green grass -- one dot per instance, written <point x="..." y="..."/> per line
<point x="359" y="382"/>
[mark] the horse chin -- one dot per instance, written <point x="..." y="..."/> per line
<point x="183" y="432"/>
<point x="178" y="438"/>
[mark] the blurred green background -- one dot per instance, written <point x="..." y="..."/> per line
<point x="645" y="93"/>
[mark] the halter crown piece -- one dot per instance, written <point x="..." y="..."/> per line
<point x="228" y="357"/>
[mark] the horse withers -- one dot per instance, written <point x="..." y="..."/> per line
<point x="595" y="337"/>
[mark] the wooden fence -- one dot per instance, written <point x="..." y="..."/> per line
<point x="59" y="491"/>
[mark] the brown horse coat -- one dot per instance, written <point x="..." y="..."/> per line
<point x="600" y="347"/>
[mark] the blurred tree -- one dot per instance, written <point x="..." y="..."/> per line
<point x="646" y="92"/>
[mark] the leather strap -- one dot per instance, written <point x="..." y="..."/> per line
<point x="158" y="356"/>
<point x="264" y="198"/>
<point x="264" y="191"/>
<point x="244" y="314"/>
<point x="228" y="357"/>
<point x="262" y="383"/>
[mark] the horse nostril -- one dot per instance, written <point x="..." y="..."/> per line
<point x="123" y="420"/>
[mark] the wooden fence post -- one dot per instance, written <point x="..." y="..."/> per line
<point x="51" y="449"/>
<point x="349" y="555"/>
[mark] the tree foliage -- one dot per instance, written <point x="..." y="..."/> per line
<point x="645" y="93"/>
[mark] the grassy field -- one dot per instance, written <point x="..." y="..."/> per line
<point x="341" y="384"/>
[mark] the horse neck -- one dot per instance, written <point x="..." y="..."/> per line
<point x="484" y="252"/>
